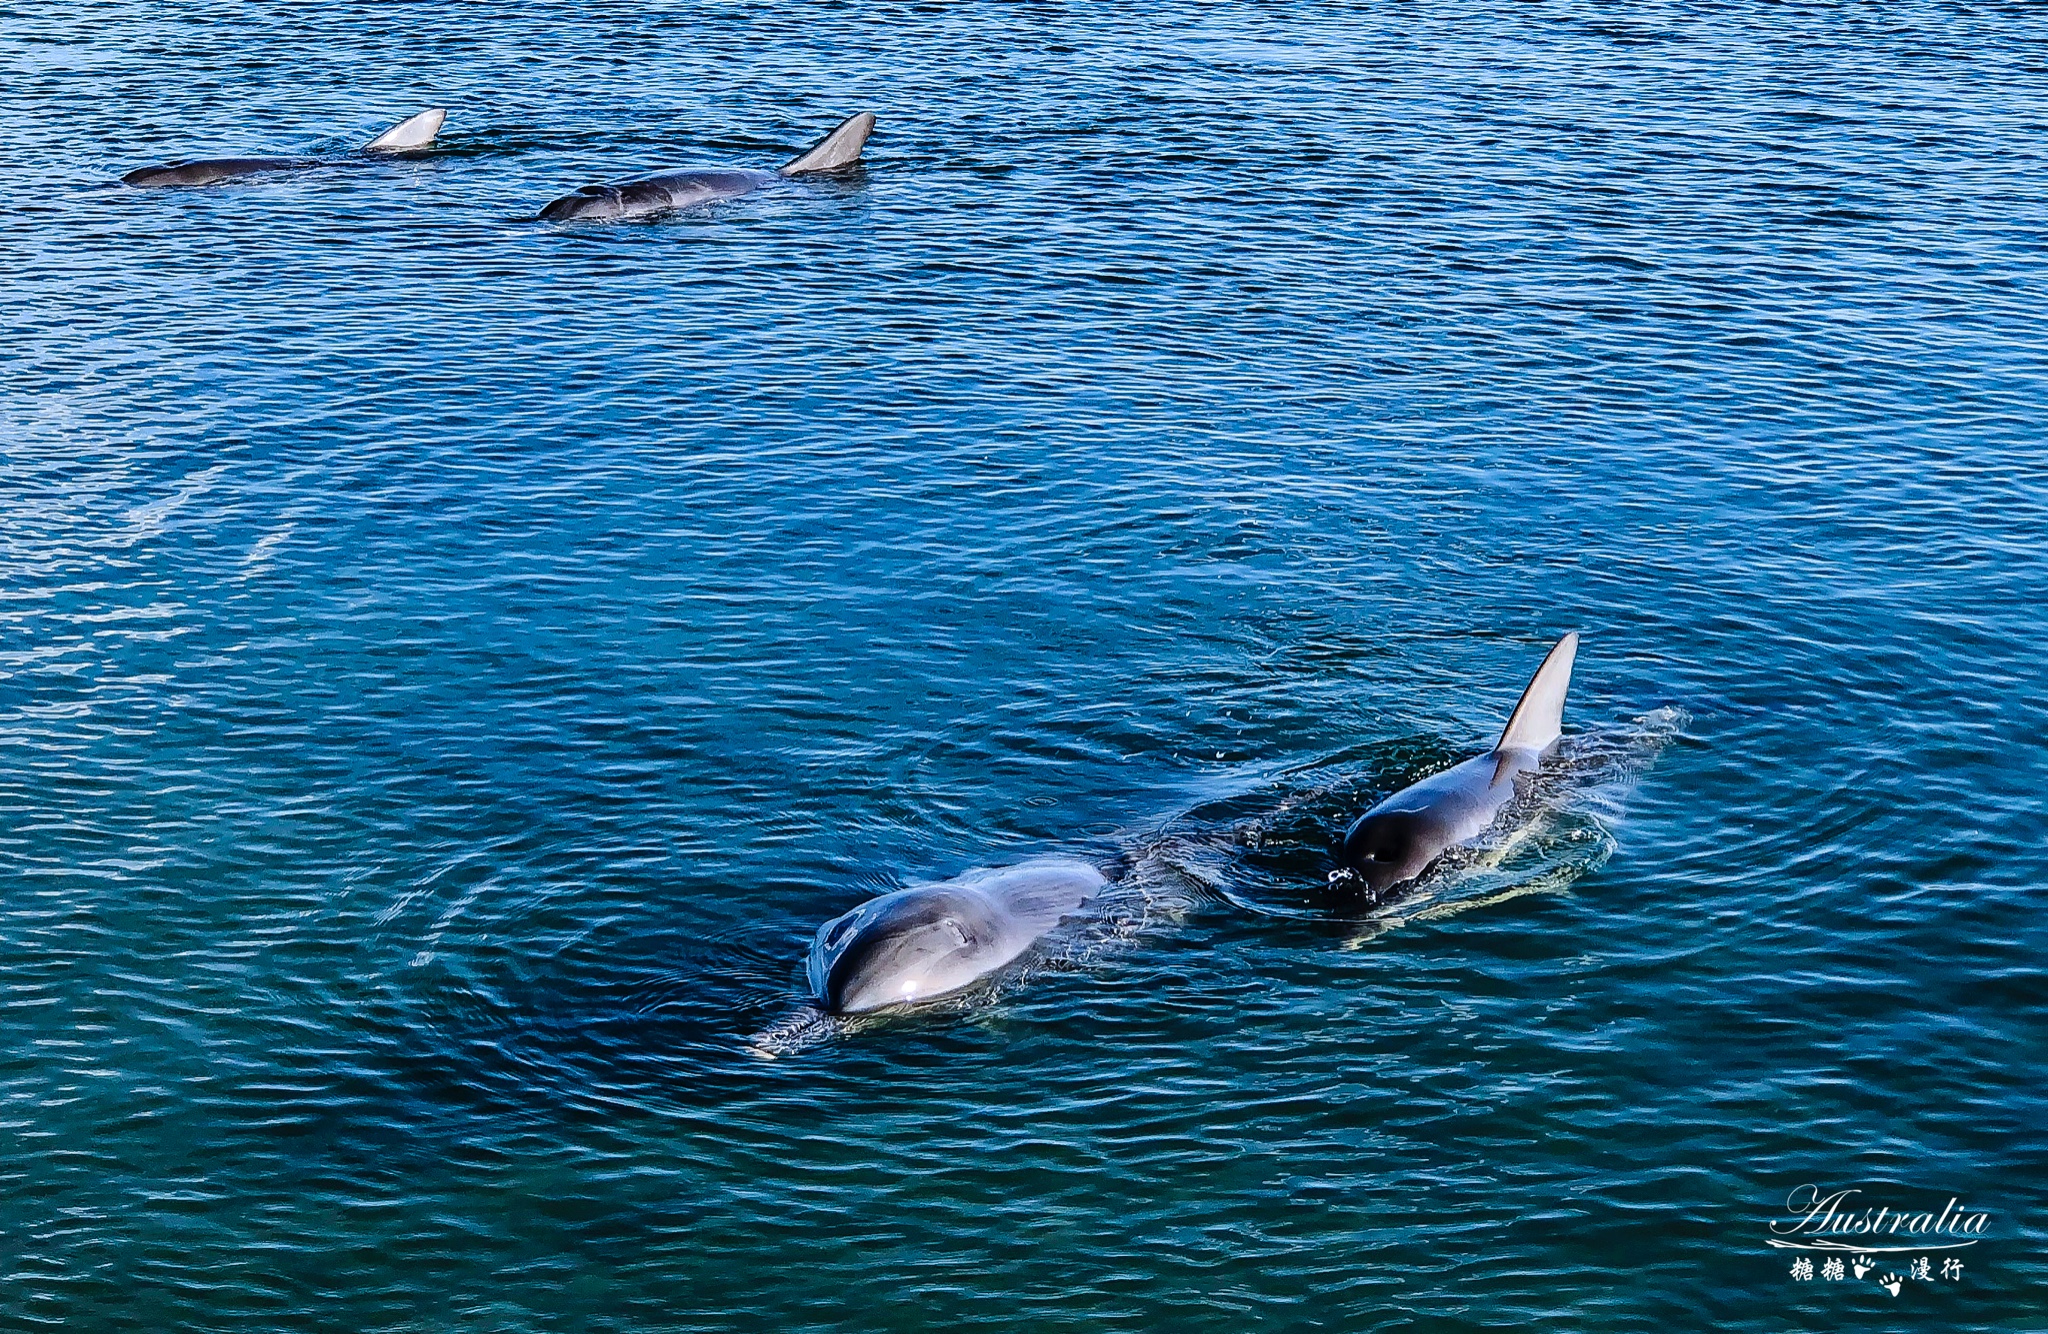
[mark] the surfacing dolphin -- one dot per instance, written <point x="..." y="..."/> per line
<point x="662" y="191"/>
<point x="932" y="940"/>
<point x="412" y="132"/>
<point x="1402" y="837"/>
<point x="408" y="134"/>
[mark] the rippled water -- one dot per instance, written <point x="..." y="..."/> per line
<point x="452" y="663"/>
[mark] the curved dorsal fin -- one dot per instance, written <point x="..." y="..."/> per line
<point x="1538" y="720"/>
<point x="836" y="149"/>
<point x="412" y="132"/>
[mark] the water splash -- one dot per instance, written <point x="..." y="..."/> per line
<point x="802" y="1029"/>
<point x="1558" y="830"/>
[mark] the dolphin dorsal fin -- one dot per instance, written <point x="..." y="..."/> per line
<point x="1538" y="720"/>
<point x="412" y="132"/>
<point x="836" y="149"/>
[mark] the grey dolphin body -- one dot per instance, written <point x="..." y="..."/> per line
<point x="662" y="191"/>
<point x="1402" y="837"/>
<point x="930" y="940"/>
<point x="413" y="132"/>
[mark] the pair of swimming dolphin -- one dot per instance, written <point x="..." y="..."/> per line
<point x="632" y="198"/>
<point x="932" y="940"/>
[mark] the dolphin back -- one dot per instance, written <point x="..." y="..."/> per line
<point x="416" y="131"/>
<point x="207" y="170"/>
<point x="413" y="132"/>
<point x="836" y="149"/>
<point x="1538" y="720"/>
<point x="1038" y="895"/>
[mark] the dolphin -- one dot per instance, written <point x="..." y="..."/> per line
<point x="641" y="195"/>
<point x="931" y="940"/>
<point x="1399" y="839"/>
<point x="412" y="132"/>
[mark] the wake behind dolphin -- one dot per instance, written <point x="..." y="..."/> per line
<point x="660" y="192"/>
<point x="414" y="132"/>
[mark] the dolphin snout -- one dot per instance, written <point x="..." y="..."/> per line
<point x="592" y="201"/>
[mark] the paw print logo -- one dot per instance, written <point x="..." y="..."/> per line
<point x="1890" y="1283"/>
<point x="1863" y="1264"/>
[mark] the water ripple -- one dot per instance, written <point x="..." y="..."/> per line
<point x="449" y="664"/>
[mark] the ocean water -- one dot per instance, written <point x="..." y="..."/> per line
<point x="450" y="664"/>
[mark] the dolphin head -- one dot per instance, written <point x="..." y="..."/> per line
<point x="903" y="947"/>
<point x="592" y="201"/>
<point x="1383" y="849"/>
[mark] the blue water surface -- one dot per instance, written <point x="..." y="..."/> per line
<point x="450" y="664"/>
